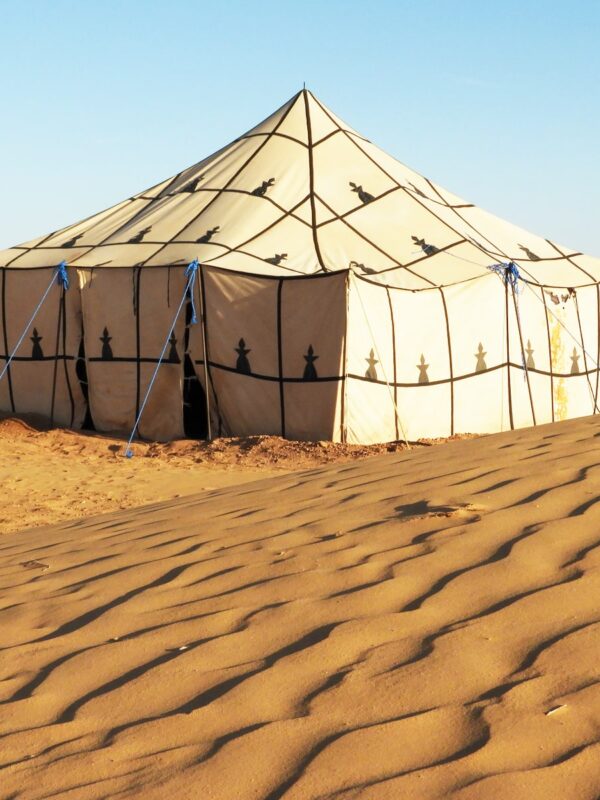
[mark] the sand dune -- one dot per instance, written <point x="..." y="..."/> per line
<point x="50" y="476"/>
<point x="417" y="625"/>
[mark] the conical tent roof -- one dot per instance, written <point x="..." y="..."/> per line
<point x="302" y="193"/>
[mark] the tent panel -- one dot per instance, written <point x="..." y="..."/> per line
<point x="313" y="411"/>
<point x="370" y="413"/>
<point x="233" y="217"/>
<point x="477" y="323"/>
<point x="283" y="166"/>
<point x="422" y="351"/>
<point x="337" y="165"/>
<point x="481" y="403"/>
<point x="247" y="405"/>
<point x="241" y="319"/>
<point x="126" y="316"/>
<point x="42" y="378"/>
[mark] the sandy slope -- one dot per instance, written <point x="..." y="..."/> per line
<point x="49" y="476"/>
<point x="399" y="627"/>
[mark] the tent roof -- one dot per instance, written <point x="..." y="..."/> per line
<point x="301" y="194"/>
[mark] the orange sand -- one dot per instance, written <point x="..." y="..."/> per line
<point x="56" y="475"/>
<point x="416" y="625"/>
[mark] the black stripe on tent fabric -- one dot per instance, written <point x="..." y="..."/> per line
<point x="55" y="370"/>
<point x="598" y="344"/>
<point x="272" y="378"/>
<point x="507" y="334"/>
<point x="58" y="357"/>
<point x="280" y="359"/>
<point x="395" y="384"/>
<point x="468" y="375"/>
<point x="136" y="294"/>
<point x="324" y="379"/>
<point x="63" y="301"/>
<point x="344" y="433"/>
<point x="5" y="338"/>
<point x="450" y="362"/>
<point x="585" y="363"/>
<point x="549" y="350"/>
<point x="204" y="322"/>
<point x="229" y="182"/>
<point x="277" y="134"/>
<point x="311" y="178"/>
<point x="518" y="318"/>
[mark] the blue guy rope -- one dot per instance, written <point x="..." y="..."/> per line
<point x="61" y="277"/>
<point x="190" y="274"/>
<point x="509" y="272"/>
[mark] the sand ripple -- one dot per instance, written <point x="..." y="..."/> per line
<point x="418" y="625"/>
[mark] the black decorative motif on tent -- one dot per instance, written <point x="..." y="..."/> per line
<point x="310" y="372"/>
<point x="574" y="363"/>
<point x="530" y="363"/>
<point x="261" y="190"/>
<point x="363" y="196"/>
<point x="480" y="355"/>
<point x="36" y="351"/>
<point x="208" y="235"/>
<point x="276" y="259"/>
<point x="242" y="364"/>
<point x="362" y="268"/>
<point x="428" y="249"/>
<point x="72" y="241"/>
<point x="107" y="353"/>
<point x="423" y="367"/>
<point x="371" y="372"/>
<point x="139" y="236"/>
<point x="531" y="256"/>
<point x="417" y="190"/>
<point x="173" y="354"/>
<point x="191" y="185"/>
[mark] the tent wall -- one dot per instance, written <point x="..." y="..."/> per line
<point x="127" y="314"/>
<point x="470" y="358"/>
<point x="332" y="356"/>
<point x="42" y="378"/>
<point x="275" y="353"/>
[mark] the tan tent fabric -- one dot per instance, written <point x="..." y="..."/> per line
<point x="42" y="377"/>
<point x="346" y="297"/>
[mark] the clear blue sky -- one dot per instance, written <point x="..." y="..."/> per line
<point x="498" y="102"/>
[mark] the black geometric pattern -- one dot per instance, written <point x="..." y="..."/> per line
<point x="36" y="350"/>
<point x="310" y="372"/>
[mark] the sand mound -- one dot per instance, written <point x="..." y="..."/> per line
<point x="419" y="625"/>
<point x="50" y="476"/>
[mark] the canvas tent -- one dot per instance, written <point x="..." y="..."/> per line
<point x="346" y="297"/>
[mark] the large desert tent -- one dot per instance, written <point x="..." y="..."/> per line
<point x="336" y="293"/>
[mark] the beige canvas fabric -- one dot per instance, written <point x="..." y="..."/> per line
<point x="309" y="236"/>
<point x="42" y="377"/>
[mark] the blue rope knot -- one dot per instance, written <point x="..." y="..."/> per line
<point x="62" y="277"/>
<point x="509" y="272"/>
<point x="190" y="274"/>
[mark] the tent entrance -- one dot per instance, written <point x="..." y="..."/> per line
<point x="82" y="377"/>
<point x="195" y="409"/>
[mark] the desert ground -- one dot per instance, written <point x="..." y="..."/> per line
<point x="413" y="624"/>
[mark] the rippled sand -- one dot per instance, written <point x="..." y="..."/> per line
<point x="415" y="625"/>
